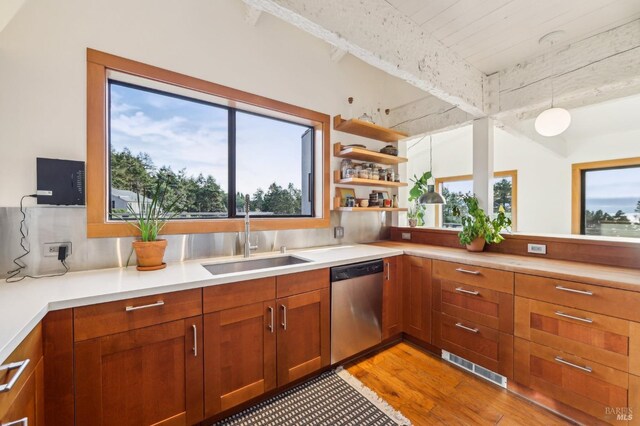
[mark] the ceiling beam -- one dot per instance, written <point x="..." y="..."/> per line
<point x="427" y="115"/>
<point x="378" y="34"/>
<point x="598" y="68"/>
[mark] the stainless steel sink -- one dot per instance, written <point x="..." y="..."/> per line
<point x="250" y="265"/>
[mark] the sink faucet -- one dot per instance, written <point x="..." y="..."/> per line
<point x="247" y="227"/>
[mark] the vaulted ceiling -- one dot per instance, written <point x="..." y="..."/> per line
<point x="494" y="34"/>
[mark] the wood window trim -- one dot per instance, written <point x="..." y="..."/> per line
<point x="513" y="174"/>
<point x="576" y="184"/>
<point x="98" y="225"/>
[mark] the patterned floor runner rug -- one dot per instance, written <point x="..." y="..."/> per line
<point x="333" y="398"/>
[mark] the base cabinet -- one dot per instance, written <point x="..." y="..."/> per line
<point x="416" y="297"/>
<point x="240" y="355"/>
<point x="392" y="297"/>
<point x="146" y="376"/>
<point x="303" y="335"/>
<point x="262" y="334"/>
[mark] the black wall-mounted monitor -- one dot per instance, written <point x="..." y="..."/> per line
<point x="60" y="182"/>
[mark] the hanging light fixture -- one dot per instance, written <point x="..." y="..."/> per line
<point x="552" y="121"/>
<point x="431" y="196"/>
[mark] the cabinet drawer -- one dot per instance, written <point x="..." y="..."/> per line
<point x="302" y="282"/>
<point x="475" y="276"/>
<point x="595" y="337"/>
<point x="480" y="344"/>
<point x="593" y="388"/>
<point x="24" y="411"/>
<point x="227" y="296"/>
<point x="603" y="300"/>
<point x="472" y="303"/>
<point x="18" y="368"/>
<point x="123" y="315"/>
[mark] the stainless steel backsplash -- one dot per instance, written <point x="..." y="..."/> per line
<point x="62" y="224"/>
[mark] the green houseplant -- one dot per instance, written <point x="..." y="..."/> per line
<point x="149" y="217"/>
<point x="477" y="227"/>
<point x="416" y="210"/>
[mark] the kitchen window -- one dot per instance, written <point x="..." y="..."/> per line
<point x="213" y="145"/>
<point x="505" y="194"/>
<point x="606" y="198"/>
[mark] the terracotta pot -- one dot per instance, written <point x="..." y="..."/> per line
<point x="413" y="223"/>
<point x="150" y="254"/>
<point x="476" y="245"/>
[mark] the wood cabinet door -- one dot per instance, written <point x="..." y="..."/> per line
<point x="416" y="295"/>
<point x="147" y="376"/>
<point x="303" y="335"/>
<point x="392" y="298"/>
<point x="239" y="354"/>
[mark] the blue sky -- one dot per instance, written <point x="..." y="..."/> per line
<point x="193" y="136"/>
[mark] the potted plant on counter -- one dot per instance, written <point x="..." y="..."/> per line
<point x="149" y="216"/>
<point x="477" y="227"/>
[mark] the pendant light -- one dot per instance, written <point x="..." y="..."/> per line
<point x="431" y="196"/>
<point x="552" y="121"/>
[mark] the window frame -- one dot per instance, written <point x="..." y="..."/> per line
<point x="513" y="174"/>
<point x="577" y="186"/>
<point x="99" y="64"/>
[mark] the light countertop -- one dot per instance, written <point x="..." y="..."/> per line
<point x="24" y="304"/>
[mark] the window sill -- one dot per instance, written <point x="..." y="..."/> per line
<point x="105" y="230"/>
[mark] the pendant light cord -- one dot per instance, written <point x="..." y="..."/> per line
<point x="430" y="154"/>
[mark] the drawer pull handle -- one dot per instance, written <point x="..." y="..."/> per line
<point x="152" y="305"/>
<point x="21" y="366"/>
<point x="466" y="271"/>
<point x="195" y="340"/>
<point x="570" y="364"/>
<point x="270" y="327"/>
<point x="464" y="327"/>
<point x="462" y="290"/>
<point x="284" y="317"/>
<point x="562" y="314"/>
<point x="573" y="290"/>
<point x="388" y="268"/>
<point x="22" y="422"/>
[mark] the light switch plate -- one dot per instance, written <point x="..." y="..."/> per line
<point x="537" y="248"/>
<point x="406" y="235"/>
<point x="338" y="232"/>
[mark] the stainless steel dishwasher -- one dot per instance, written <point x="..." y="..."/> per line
<point x="356" y="308"/>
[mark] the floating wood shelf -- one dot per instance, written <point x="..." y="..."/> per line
<point x="363" y="154"/>
<point x="369" y="209"/>
<point x="367" y="130"/>
<point x="365" y="182"/>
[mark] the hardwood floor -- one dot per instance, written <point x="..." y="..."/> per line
<point x="429" y="391"/>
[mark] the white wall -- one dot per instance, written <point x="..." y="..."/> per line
<point x="43" y="67"/>
<point x="544" y="177"/>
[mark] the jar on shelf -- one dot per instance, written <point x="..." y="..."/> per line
<point x="364" y="174"/>
<point x="344" y="165"/>
<point x="375" y="175"/>
<point x="391" y="175"/>
<point x="350" y="173"/>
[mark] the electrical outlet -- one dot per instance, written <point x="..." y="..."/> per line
<point x="51" y="249"/>
<point x="406" y="235"/>
<point x="338" y="232"/>
<point x="537" y="248"/>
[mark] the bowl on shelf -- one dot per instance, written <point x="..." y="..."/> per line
<point x="364" y="203"/>
<point x="390" y="150"/>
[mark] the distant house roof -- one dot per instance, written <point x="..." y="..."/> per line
<point x="124" y="195"/>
